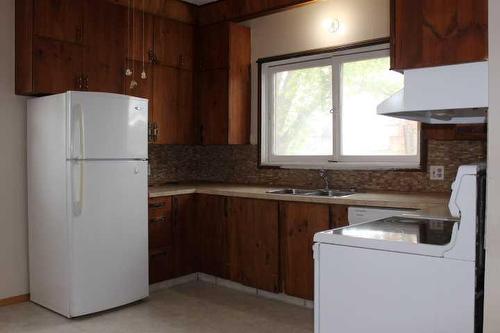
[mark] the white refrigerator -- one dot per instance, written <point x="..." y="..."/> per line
<point x="87" y="201"/>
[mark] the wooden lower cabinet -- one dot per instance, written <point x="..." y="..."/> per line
<point x="186" y="236"/>
<point x="253" y="242"/>
<point x="211" y="211"/>
<point x="298" y="223"/>
<point x="264" y="244"/>
<point x="160" y="264"/>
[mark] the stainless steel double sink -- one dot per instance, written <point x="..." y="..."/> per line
<point x="319" y="193"/>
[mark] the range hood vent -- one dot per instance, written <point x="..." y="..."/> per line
<point x="456" y="94"/>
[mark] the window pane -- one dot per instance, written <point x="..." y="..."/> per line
<point x="365" y="84"/>
<point x="302" y="118"/>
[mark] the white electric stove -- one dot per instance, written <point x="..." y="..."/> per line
<point x="408" y="273"/>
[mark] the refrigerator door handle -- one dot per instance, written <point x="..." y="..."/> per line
<point x="77" y="187"/>
<point x="80" y="131"/>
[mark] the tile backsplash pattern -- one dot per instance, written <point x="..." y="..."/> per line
<point x="238" y="164"/>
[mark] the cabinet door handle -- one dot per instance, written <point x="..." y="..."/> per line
<point x="79" y="83"/>
<point x="86" y="82"/>
<point x="156" y="205"/>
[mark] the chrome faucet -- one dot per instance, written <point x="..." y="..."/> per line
<point x="323" y="173"/>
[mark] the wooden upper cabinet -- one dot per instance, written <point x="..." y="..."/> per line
<point x="56" y="67"/>
<point x="214" y="47"/>
<point x="214" y="107"/>
<point x="141" y="37"/>
<point x="172" y="102"/>
<point x="224" y="84"/>
<point x="438" y="32"/>
<point x="173" y="43"/>
<point x="298" y="224"/>
<point x="59" y="19"/>
<point x="253" y="242"/>
<point x="105" y="47"/>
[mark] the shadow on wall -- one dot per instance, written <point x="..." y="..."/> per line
<point x="238" y="164"/>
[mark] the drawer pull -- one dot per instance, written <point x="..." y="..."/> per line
<point x="157" y="205"/>
<point x="158" y="220"/>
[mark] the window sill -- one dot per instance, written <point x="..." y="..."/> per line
<point x="367" y="166"/>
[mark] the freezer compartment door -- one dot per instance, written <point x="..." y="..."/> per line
<point x="109" y="234"/>
<point x="107" y="126"/>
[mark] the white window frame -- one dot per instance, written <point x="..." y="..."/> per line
<point x="336" y="160"/>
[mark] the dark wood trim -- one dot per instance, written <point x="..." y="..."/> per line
<point x="15" y="300"/>
<point x="393" y="33"/>
<point x="366" y="43"/>
<point x="230" y="10"/>
<point x="173" y="9"/>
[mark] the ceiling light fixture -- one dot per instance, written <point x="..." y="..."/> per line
<point x="332" y="25"/>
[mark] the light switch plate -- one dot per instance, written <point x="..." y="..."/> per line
<point x="436" y="172"/>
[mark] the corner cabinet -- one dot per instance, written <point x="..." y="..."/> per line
<point x="224" y="83"/>
<point x="68" y="45"/>
<point x="429" y="33"/>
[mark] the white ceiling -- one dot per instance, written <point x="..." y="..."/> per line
<point x="199" y="2"/>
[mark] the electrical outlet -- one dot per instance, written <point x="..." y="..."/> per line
<point x="436" y="172"/>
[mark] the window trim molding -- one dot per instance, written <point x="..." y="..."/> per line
<point x="344" y="163"/>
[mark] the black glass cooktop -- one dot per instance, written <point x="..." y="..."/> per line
<point x="402" y="229"/>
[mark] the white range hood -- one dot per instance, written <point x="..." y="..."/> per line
<point x="456" y="94"/>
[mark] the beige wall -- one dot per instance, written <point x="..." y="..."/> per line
<point x="492" y="291"/>
<point x="302" y="29"/>
<point x="13" y="226"/>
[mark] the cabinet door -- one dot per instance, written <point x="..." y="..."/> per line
<point x="211" y="216"/>
<point x="186" y="235"/>
<point x="57" y="66"/>
<point x="213" y="107"/>
<point x="436" y="33"/>
<point x="299" y="222"/>
<point x="173" y="43"/>
<point x="173" y="110"/>
<point x="140" y="37"/>
<point x="165" y="102"/>
<point x="160" y="223"/>
<point x="105" y="47"/>
<point x="254" y="243"/>
<point x="59" y="19"/>
<point x="214" y="46"/>
<point x="185" y="116"/>
<point x="161" y="265"/>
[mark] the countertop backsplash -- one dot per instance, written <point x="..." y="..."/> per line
<point x="238" y="165"/>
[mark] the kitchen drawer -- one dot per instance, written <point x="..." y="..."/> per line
<point x="159" y="207"/>
<point x="161" y="265"/>
<point x="160" y="231"/>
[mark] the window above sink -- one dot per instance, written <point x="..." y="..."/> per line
<point x="319" y="111"/>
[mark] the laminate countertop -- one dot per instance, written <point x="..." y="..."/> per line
<point x="420" y="201"/>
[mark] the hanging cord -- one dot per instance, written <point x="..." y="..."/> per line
<point x="128" y="72"/>
<point x="143" y="74"/>
<point x="133" y="83"/>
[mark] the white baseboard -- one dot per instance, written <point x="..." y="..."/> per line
<point x="232" y="285"/>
